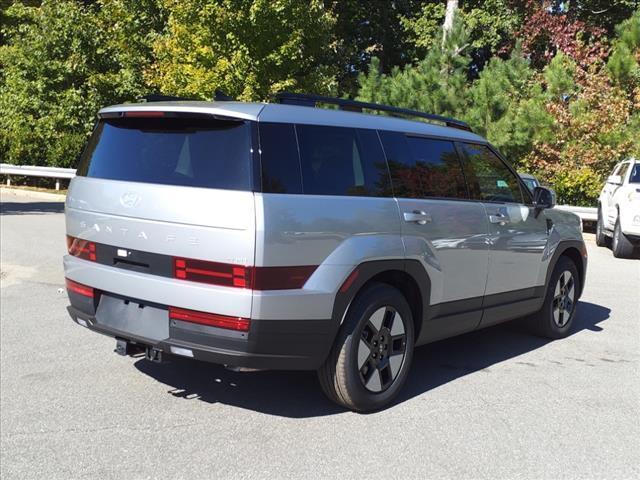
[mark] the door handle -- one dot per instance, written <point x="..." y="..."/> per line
<point x="417" y="216"/>
<point x="500" y="218"/>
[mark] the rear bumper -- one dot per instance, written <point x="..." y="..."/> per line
<point x="269" y="344"/>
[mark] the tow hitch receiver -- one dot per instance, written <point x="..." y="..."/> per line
<point x="125" y="348"/>
<point x="154" y="354"/>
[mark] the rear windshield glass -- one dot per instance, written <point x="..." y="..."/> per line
<point x="191" y="152"/>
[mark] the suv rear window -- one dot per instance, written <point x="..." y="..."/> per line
<point x="195" y="152"/>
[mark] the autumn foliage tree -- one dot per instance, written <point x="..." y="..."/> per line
<point x="554" y="84"/>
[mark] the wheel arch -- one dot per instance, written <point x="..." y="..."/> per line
<point x="571" y="249"/>
<point x="408" y="276"/>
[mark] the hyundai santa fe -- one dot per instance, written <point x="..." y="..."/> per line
<point x="286" y="236"/>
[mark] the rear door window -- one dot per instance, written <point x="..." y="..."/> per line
<point x="423" y="167"/>
<point x="489" y="179"/>
<point x="195" y="152"/>
<point x="342" y="161"/>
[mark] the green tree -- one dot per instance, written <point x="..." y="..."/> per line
<point x="437" y="84"/>
<point x="61" y="62"/>
<point x="508" y="107"/>
<point x="490" y="25"/>
<point x="623" y="63"/>
<point x="248" y="48"/>
<point x="366" y="29"/>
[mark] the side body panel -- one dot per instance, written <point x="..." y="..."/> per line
<point x="516" y="255"/>
<point x="608" y="200"/>
<point x="336" y="233"/>
<point x="626" y="202"/>
<point x="453" y="249"/>
<point x="452" y="246"/>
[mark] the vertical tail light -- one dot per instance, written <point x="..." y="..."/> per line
<point x="81" y="248"/>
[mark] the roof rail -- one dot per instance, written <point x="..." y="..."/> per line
<point x="310" y="100"/>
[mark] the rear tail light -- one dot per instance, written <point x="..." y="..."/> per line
<point x="212" y="272"/>
<point x="78" y="288"/>
<point x="257" y="278"/>
<point x="81" y="248"/>
<point x="211" y="319"/>
<point x="281" y="278"/>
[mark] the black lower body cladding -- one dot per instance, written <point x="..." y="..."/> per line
<point x="269" y="344"/>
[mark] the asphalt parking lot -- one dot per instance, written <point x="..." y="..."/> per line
<point x="497" y="403"/>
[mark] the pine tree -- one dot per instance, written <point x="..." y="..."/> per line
<point x="437" y="84"/>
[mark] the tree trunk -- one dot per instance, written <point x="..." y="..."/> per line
<point x="452" y="6"/>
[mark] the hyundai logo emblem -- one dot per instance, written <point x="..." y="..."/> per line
<point x="130" y="199"/>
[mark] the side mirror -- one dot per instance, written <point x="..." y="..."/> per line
<point x="615" y="179"/>
<point x="544" y="197"/>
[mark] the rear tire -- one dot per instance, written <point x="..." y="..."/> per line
<point x="601" y="239"/>
<point x="621" y="246"/>
<point x="371" y="356"/>
<point x="558" y="311"/>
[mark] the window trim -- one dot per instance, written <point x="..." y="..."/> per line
<point x="427" y="137"/>
<point x="524" y="191"/>
<point x="355" y="130"/>
<point x="627" y="171"/>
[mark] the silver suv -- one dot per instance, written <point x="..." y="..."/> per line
<point x="283" y="236"/>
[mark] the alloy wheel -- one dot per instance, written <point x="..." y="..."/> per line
<point x="563" y="299"/>
<point x="382" y="349"/>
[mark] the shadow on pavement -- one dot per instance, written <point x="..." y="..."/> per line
<point x="30" y="208"/>
<point x="298" y="394"/>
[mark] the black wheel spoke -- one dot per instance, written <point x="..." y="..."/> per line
<point x="367" y="370"/>
<point x="389" y="317"/>
<point x="386" y="375"/>
<point x="381" y="349"/>
<point x="398" y="344"/>
<point x="368" y="333"/>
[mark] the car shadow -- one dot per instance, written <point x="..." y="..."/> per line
<point x="298" y="395"/>
<point x="31" y="208"/>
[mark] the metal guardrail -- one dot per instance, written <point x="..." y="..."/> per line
<point x="589" y="214"/>
<point x="585" y="213"/>
<point x="34" y="171"/>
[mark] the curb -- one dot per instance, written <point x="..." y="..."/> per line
<point x="19" y="192"/>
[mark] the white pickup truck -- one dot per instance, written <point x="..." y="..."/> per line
<point x="619" y="209"/>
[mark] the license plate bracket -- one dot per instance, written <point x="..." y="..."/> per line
<point x="135" y="318"/>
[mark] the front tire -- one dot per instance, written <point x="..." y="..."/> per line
<point x="621" y="246"/>
<point x="558" y="311"/>
<point x="371" y="356"/>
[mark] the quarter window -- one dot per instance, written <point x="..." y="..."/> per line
<point x="279" y="158"/>
<point x="423" y="167"/>
<point x="488" y="177"/>
<point x="342" y="161"/>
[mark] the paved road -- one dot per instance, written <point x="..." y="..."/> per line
<point x="497" y="403"/>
